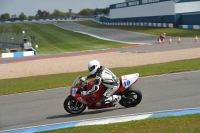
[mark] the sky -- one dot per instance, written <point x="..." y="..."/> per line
<point x="30" y="7"/>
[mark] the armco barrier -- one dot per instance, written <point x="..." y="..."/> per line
<point x="193" y="27"/>
<point x="105" y="120"/>
<point x="169" y="25"/>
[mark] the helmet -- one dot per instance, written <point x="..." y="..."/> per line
<point x="164" y="33"/>
<point x="93" y="66"/>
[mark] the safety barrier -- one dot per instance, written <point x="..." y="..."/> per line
<point x="19" y="54"/>
<point x="35" y="20"/>
<point x="196" y="27"/>
<point x="169" y="25"/>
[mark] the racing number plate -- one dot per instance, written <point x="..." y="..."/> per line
<point x="74" y="90"/>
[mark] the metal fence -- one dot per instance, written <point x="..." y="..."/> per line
<point x="10" y="40"/>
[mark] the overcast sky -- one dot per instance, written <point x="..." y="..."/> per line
<point x="30" y="7"/>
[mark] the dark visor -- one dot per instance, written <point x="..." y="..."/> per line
<point x="91" y="68"/>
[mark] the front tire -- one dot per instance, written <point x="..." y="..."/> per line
<point x="131" y="97"/>
<point x="73" y="106"/>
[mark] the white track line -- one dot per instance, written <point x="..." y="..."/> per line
<point x="96" y="119"/>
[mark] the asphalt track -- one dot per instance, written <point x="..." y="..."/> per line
<point x="120" y="35"/>
<point x="164" y="92"/>
<point x="114" y="34"/>
<point x="134" y="49"/>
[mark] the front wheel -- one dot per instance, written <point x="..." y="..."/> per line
<point x="72" y="106"/>
<point x="131" y="97"/>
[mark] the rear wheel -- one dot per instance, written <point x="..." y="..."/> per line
<point x="131" y="98"/>
<point x="72" y="106"/>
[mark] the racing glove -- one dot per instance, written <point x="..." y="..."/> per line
<point x="84" y="93"/>
<point x="83" y="79"/>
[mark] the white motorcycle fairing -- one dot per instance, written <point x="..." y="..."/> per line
<point x="128" y="80"/>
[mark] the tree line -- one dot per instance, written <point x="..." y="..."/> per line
<point x="55" y="14"/>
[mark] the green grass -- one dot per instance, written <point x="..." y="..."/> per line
<point x="180" y="124"/>
<point x="147" y="30"/>
<point x="52" y="39"/>
<point x="10" y="86"/>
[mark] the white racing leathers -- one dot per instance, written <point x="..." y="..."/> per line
<point x="108" y="79"/>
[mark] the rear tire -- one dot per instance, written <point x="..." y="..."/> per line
<point x="72" y="106"/>
<point x="131" y="98"/>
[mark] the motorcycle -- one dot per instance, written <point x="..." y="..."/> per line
<point x="76" y="103"/>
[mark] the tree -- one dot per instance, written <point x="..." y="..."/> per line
<point x="31" y="17"/>
<point x="5" y="16"/>
<point x="86" y="12"/>
<point x="39" y="14"/>
<point x="46" y="14"/>
<point x="13" y="16"/>
<point x="89" y="12"/>
<point x="42" y="14"/>
<point x="22" y="16"/>
<point x="67" y="14"/>
<point x="57" y="14"/>
<point x="101" y="11"/>
<point x="106" y="10"/>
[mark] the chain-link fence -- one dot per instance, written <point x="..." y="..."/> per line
<point x="10" y="40"/>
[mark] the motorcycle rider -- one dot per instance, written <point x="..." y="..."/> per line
<point x="103" y="76"/>
<point x="162" y="37"/>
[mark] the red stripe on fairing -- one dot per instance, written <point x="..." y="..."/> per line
<point x="111" y="51"/>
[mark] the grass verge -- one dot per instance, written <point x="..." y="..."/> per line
<point x="180" y="124"/>
<point x="52" y="39"/>
<point x="146" y="29"/>
<point x="17" y="85"/>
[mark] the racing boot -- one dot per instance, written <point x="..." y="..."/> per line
<point x="114" y="99"/>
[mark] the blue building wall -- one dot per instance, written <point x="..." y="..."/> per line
<point x="152" y="19"/>
<point x="181" y="18"/>
<point x="190" y="19"/>
<point x="185" y="19"/>
<point x="185" y="12"/>
<point x="182" y="1"/>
